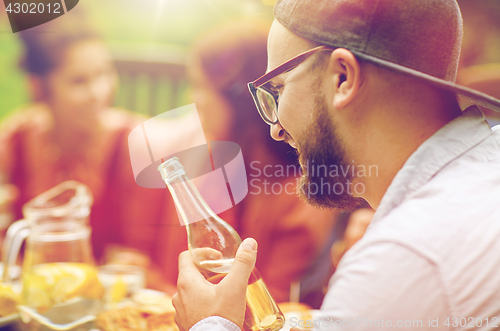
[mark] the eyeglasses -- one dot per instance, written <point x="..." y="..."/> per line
<point x="266" y="96"/>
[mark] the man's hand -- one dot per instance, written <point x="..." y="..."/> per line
<point x="197" y="298"/>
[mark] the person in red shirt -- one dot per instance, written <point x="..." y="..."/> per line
<point x="70" y="131"/>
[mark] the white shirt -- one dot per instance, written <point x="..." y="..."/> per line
<point x="431" y="256"/>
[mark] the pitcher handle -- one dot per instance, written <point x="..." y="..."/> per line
<point x="16" y="234"/>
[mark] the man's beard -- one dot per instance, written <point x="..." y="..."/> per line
<point x="319" y="155"/>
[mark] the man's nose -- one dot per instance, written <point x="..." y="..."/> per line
<point x="277" y="132"/>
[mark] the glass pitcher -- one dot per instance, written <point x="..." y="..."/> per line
<point x="61" y="289"/>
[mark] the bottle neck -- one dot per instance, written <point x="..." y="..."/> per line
<point x="188" y="201"/>
<point x="209" y="237"/>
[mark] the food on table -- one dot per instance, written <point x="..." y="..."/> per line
<point x="8" y="300"/>
<point x="153" y="302"/>
<point x="128" y="318"/>
<point x="163" y="322"/>
<point x="148" y="310"/>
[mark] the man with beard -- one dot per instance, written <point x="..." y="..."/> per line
<point x="371" y="82"/>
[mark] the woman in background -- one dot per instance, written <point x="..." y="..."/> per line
<point x="219" y="67"/>
<point x="70" y="132"/>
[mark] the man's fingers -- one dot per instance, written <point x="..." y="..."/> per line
<point x="187" y="269"/>
<point x="241" y="269"/>
<point x="175" y="300"/>
<point x="243" y="265"/>
<point x="205" y="253"/>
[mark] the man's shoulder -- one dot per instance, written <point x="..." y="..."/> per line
<point x="453" y="222"/>
<point x="462" y="194"/>
<point x="466" y="189"/>
<point x="460" y="201"/>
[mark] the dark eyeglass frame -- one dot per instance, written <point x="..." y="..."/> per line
<point x="285" y="67"/>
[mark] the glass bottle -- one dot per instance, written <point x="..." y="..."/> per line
<point x="213" y="244"/>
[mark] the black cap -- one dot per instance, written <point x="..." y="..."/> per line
<point x="419" y="38"/>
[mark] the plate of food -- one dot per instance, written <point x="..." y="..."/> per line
<point x="147" y="310"/>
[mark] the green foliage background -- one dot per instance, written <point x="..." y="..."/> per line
<point x="176" y="23"/>
<point x="171" y="23"/>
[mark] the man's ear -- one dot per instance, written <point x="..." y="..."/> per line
<point x="346" y="75"/>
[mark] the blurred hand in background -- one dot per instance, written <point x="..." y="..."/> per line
<point x="356" y="227"/>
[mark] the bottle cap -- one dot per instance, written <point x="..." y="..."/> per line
<point x="171" y="168"/>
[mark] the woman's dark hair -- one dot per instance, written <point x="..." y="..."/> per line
<point x="45" y="44"/>
<point x="232" y="55"/>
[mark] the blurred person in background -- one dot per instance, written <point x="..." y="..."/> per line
<point x="219" y="66"/>
<point x="357" y="224"/>
<point x="479" y="66"/>
<point x="70" y="132"/>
